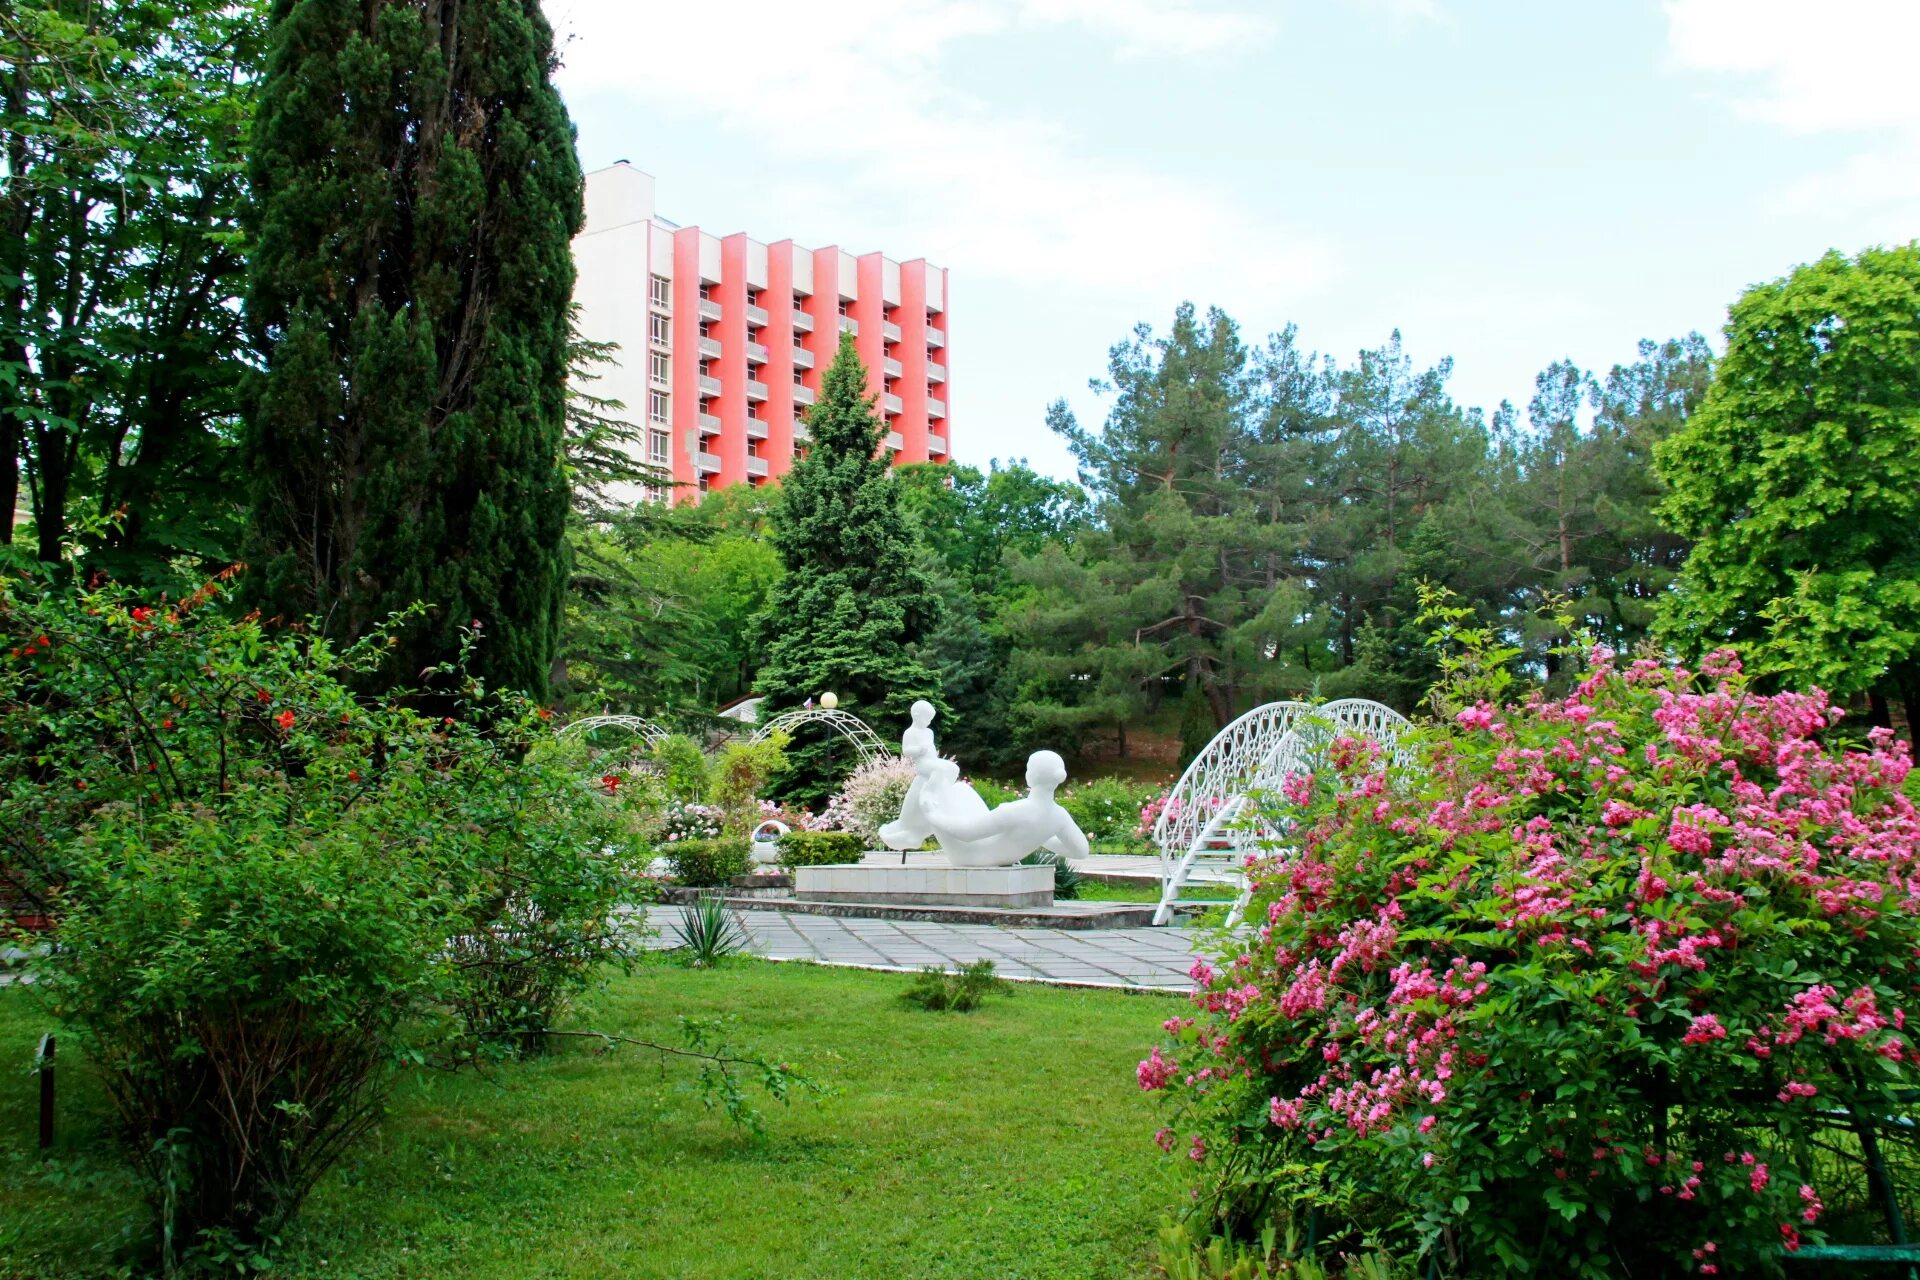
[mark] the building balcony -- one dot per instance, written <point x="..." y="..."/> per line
<point x="756" y="428"/>
<point x="936" y="445"/>
<point x="659" y="383"/>
<point x="756" y="390"/>
<point x="802" y="394"/>
<point x="709" y="386"/>
<point x="800" y="433"/>
<point x="802" y="358"/>
<point x="890" y="330"/>
<point x="756" y="353"/>
<point x="710" y="310"/>
<point x="756" y="466"/>
<point x="896" y="441"/>
<point x="892" y="403"/>
<point x="849" y="325"/>
<point x="709" y="424"/>
<point x="756" y="316"/>
<point x="936" y="408"/>
<point x="892" y="366"/>
<point x="802" y="322"/>
<point x="936" y="337"/>
<point x="709" y="347"/>
<point x="707" y="463"/>
<point x="936" y="372"/>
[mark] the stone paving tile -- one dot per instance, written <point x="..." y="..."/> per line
<point x="1151" y="959"/>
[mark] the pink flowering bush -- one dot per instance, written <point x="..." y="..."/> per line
<point x="1575" y="989"/>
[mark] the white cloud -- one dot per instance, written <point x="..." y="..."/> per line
<point x="991" y="190"/>
<point x="1816" y="67"/>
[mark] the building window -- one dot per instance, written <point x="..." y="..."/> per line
<point x="658" y="330"/>
<point x="662" y="367"/>
<point x="703" y="482"/>
<point x="660" y="290"/>
<point x="657" y="448"/>
<point x="657" y="406"/>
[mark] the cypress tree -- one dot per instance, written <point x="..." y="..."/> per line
<point x="417" y="194"/>
<point x="856" y="599"/>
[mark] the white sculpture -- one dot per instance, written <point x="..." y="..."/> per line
<point x="764" y="844"/>
<point x="939" y="805"/>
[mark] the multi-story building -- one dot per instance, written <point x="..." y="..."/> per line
<point x="723" y="339"/>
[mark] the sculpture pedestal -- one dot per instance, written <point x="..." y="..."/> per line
<point x="926" y="886"/>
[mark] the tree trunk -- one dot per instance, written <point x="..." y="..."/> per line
<point x="1879" y="714"/>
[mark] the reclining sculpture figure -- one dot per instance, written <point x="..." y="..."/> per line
<point x="939" y="805"/>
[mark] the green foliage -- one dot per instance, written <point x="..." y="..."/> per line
<point x="1107" y="810"/>
<point x="1799" y="479"/>
<point x="819" y="848"/>
<point x="856" y="597"/>
<point x="265" y="888"/>
<point x="665" y="601"/>
<point x="740" y="777"/>
<point x="709" y="931"/>
<point x="685" y="771"/>
<point x="1066" y="881"/>
<point x="705" y="863"/>
<point x="121" y="344"/>
<point x="963" y="991"/>
<point x="410" y="280"/>
<point x="1183" y="1255"/>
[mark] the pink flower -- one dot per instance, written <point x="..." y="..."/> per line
<point x="1155" y="1071"/>
<point x="1705" y="1029"/>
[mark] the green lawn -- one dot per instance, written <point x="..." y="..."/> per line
<point x="1010" y="1142"/>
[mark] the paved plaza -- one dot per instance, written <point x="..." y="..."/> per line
<point x="1138" y="959"/>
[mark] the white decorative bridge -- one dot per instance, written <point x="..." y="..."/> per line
<point x="1212" y="820"/>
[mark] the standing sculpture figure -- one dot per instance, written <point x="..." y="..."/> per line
<point x="910" y="829"/>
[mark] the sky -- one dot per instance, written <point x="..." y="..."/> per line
<point x="1507" y="182"/>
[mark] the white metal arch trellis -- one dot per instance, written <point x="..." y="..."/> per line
<point x="645" y="729"/>
<point x="845" y="723"/>
<point x="1207" y="829"/>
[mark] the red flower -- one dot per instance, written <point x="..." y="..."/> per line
<point x="43" y="642"/>
<point x="167" y="723"/>
<point x="140" y="614"/>
<point x="611" y="782"/>
<point x="284" y="719"/>
<point x="262" y="696"/>
<point x="353" y="775"/>
<point x="546" y="713"/>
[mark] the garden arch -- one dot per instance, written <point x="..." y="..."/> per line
<point x="1209" y="825"/>
<point x="646" y="730"/>
<point x="845" y="723"/>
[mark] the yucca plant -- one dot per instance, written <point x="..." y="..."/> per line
<point x="709" y="931"/>
<point x="1066" y="881"/>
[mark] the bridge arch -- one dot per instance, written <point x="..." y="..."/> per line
<point x="1206" y="828"/>
<point x="849" y="726"/>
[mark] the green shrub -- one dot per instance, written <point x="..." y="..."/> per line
<point x="257" y="878"/>
<point x="994" y="793"/>
<point x="1066" y="881"/>
<point x="685" y="772"/>
<point x="702" y="864"/>
<point x="1108" y="809"/>
<point x="818" y="848"/>
<point x="938" y="991"/>
<point x="739" y="776"/>
<point x="242" y="989"/>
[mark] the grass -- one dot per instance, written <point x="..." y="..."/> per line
<point x="1009" y="1142"/>
<point x="1149" y="891"/>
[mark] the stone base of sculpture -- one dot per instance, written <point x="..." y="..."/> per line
<point x="925" y="886"/>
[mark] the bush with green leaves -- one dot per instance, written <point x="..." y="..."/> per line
<point x="684" y="770"/>
<point x="260" y="878"/>
<point x="709" y="931"/>
<point x="962" y="991"/>
<point x="818" y="849"/>
<point x="1606" y="983"/>
<point x="1107" y="810"/>
<point x="707" y="863"/>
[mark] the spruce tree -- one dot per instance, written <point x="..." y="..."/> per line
<point x="857" y="599"/>
<point x="417" y="194"/>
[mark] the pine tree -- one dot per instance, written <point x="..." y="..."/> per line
<point x="856" y="599"/>
<point x="417" y="194"/>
